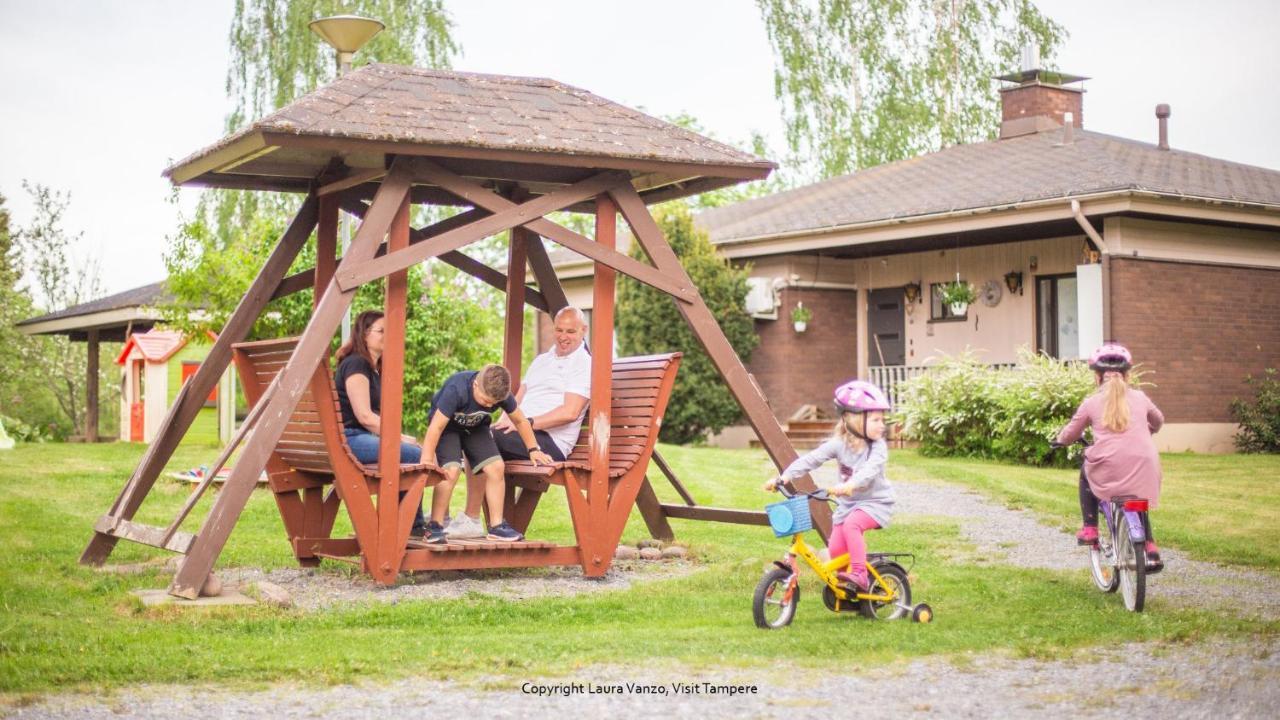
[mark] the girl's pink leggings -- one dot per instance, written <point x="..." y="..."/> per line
<point x="847" y="538"/>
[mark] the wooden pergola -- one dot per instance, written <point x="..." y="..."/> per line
<point x="512" y="150"/>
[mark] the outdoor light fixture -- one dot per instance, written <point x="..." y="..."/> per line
<point x="1035" y="263"/>
<point x="912" y="290"/>
<point x="1013" y="281"/>
<point x="346" y="34"/>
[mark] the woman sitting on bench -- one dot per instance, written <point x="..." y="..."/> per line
<point x="358" y="380"/>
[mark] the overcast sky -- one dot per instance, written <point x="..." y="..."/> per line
<point x="98" y="97"/>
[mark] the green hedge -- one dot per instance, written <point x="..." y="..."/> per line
<point x="963" y="407"/>
<point x="1259" y="420"/>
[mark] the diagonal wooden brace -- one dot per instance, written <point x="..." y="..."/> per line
<point x="293" y="380"/>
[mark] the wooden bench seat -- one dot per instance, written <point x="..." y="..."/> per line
<point x="313" y="452"/>
<point x="641" y="388"/>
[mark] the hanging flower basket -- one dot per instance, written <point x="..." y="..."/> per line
<point x="958" y="296"/>
<point x="800" y="317"/>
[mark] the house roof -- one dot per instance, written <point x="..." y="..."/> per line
<point x="156" y="345"/>
<point x="145" y="296"/>
<point x="994" y="174"/>
<point x="423" y="111"/>
<point x="109" y="316"/>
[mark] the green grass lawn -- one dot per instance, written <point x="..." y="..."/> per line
<point x="1224" y="508"/>
<point x="66" y="626"/>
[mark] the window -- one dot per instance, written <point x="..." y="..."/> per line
<point x="1057" y="316"/>
<point x="939" y="310"/>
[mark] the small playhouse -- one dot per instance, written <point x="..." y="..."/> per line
<point x="154" y="366"/>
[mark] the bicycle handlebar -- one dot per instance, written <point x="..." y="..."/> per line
<point x="819" y="494"/>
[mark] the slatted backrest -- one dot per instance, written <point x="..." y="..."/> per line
<point x="303" y="445"/>
<point x="641" y="388"/>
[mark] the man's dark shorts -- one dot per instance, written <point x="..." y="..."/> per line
<point x="512" y="447"/>
<point x="477" y="444"/>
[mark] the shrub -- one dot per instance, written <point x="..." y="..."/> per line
<point x="1259" y="420"/>
<point x="963" y="407"/>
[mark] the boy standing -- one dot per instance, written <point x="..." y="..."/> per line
<point x="461" y="413"/>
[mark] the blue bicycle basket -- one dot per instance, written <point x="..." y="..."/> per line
<point x="790" y="516"/>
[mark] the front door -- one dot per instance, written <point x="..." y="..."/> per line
<point x="1057" y="321"/>
<point x="886" y="327"/>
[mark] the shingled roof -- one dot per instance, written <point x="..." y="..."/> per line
<point x="995" y="174"/>
<point x="410" y="110"/>
<point x="139" y="297"/>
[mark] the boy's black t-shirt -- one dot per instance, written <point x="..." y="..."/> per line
<point x="456" y="402"/>
<point x="354" y="364"/>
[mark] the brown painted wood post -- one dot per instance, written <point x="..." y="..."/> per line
<point x="91" y="389"/>
<point x="545" y="275"/>
<point x="294" y="379"/>
<point x="601" y="382"/>
<point x="191" y="395"/>
<point x="513" y="339"/>
<point x="386" y="565"/>
<point x="708" y="331"/>
<point x="326" y="245"/>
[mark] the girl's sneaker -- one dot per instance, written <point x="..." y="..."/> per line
<point x="504" y="531"/>
<point x="857" y="582"/>
<point x="1154" y="563"/>
<point x="463" y="527"/>
<point x="1088" y="535"/>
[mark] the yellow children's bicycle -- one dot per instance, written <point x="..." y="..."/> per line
<point x="777" y="596"/>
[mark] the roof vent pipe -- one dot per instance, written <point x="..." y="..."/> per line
<point x="1068" y="123"/>
<point x="1162" y="113"/>
<point x="1030" y="57"/>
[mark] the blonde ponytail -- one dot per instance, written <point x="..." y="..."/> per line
<point x="1115" y="413"/>
<point x="841" y="431"/>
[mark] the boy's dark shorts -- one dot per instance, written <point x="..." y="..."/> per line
<point x="477" y="445"/>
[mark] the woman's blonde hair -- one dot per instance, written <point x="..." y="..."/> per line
<point x="842" y="433"/>
<point x="1115" y="410"/>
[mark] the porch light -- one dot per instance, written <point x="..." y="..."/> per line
<point x="1013" y="281"/>
<point x="912" y="291"/>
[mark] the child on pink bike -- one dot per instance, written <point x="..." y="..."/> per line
<point x="865" y="498"/>
<point x="1122" y="459"/>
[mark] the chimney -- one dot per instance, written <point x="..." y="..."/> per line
<point x="1038" y="99"/>
<point x="1162" y="114"/>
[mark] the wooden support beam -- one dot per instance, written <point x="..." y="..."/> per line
<point x="651" y="510"/>
<point x="603" y="294"/>
<point x="722" y="354"/>
<point x="192" y="394"/>
<point x="724" y="515"/>
<point x="178" y="542"/>
<point x="356" y="178"/>
<point x="671" y="477"/>
<point x="480" y="196"/>
<point x="513" y="337"/>
<point x="545" y="275"/>
<point x="326" y="248"/>
<point x="91" y="389"/>
<point x="508" y="218"/>
<point x="386" y="565"/>
<point x="294" y="379"/>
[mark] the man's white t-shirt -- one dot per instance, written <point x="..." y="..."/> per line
<point x="549" y="377"/>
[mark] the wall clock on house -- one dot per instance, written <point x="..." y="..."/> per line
<point x="991" y="293"/>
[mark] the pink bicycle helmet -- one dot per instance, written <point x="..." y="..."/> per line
<point x="1111" y="356"/>
<point x="860" y="396"/>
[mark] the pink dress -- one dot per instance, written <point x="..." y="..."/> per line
<point x="1123" y="463"/>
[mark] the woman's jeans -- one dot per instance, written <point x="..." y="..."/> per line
<point x="364" y="445"/>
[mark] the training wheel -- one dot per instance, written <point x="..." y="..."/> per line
<point x="922" y="613"/>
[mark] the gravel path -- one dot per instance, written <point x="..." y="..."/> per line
<point x="1212" y="679"/>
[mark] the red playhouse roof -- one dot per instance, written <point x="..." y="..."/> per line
<point x="156" y="346"/>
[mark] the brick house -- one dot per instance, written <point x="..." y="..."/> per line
<point x="1070" y="236"/>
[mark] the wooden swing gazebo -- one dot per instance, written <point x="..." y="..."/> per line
<point x="514" y="150"/>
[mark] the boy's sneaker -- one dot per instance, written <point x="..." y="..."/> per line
<point x="504" y="531"/>
<point x="850" y="580"/>
<point x="1154" y="563"/>
<point x="1088" y="535"/>
<point x="464" y="526"/>
<point x="436" y="534"/>
<point x="418" y="530"/>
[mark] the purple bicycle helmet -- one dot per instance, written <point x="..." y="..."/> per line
<point x="1111" y="357"/>
<point x="860" y="396"/>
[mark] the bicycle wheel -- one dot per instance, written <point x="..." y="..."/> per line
<point x="770" y="605"/>
<point x="893" y="582"/>
<point x="1132" y="562"/>
<point x="1102" y="558"/>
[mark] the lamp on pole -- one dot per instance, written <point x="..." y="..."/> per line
<point x="346" y="34"/>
